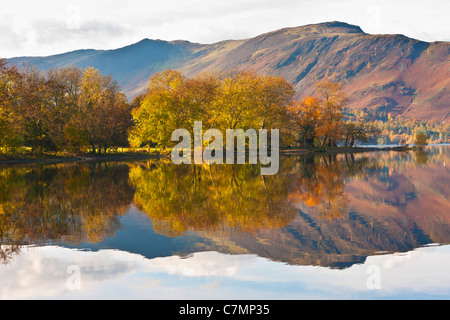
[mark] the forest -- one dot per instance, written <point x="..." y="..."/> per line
<point x="81" y="110"/>
<point x="61" y="109"/>
<point x="395" y="129"/>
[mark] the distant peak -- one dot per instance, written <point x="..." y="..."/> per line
<point x="146" y="40"/>
<point x="336" y="26"/>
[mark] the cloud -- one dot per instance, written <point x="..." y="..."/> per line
<point x="22" y="36"/>
<point x="47" y="27"/>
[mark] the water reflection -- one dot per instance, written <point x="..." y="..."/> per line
<point x="211" y="198"/>
<point x="112" y="274"/>
<point x="329" y="210"/>
<point x="68" y="203"/>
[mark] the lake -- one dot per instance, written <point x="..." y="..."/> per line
<point x="370" y="225"/>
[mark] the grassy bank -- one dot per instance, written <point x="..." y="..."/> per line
<point x="124" y="154"/>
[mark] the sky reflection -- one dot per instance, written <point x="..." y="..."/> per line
<point x="41" y="273"/>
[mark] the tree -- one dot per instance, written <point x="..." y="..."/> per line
<point x="33" y="106"/>
<point x="236" y="105"/>
<point x="61" y="109"/>
<point x="201" y="94"/>
<point x="103" y="111"/>
<point x="240" y="100"/>
<point x="64" y="86"/>
<point x="11" y="135"/>
<point x="161" y="110"/>
<point x="306" y="115"/>
<point x="74" y="137"/>
<point x="9" y="77"/>
<point x="421" y="140"/>
<point x="334" y="102"/>
<point x="272" y="96"/>
<point x="362" y="131"/>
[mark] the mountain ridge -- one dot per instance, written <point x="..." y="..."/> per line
<point x="384" y="73"/>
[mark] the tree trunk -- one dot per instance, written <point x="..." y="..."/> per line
<point x="352" y="142"/>
<point x="346" y="140"/>
<point x="324" y="141"/>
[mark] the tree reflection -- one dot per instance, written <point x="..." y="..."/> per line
<point x="70" y="203"/>
<point x="421" y="157"/>
<point x="211" y="198"/>
<point x="236" y="197"/>
<point x="321" y="183"/>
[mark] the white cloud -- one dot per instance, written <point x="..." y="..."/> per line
<point x="48" y="27"/>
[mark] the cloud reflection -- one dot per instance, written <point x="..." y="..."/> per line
<point x="41" y="273"/>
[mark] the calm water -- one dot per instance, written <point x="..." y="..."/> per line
<point x="368" y="226"/>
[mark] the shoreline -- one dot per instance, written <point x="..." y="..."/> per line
<point x="29" y="159"/>
<point x="337" y="150"/>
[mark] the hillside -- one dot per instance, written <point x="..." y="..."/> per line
<point x="388" y="73"/>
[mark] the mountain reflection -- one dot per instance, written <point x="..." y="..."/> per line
<point x="321" y="181"/>
<point x="329" y="209"/>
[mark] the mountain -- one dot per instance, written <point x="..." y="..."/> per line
<point x="386" y="73"/>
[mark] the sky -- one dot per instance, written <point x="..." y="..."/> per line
<point x="46" y="27"/>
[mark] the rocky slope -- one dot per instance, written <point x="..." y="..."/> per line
<point x="387" y="73"/>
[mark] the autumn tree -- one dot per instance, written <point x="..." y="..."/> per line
<point x="334" y="102"/>
<point x="103" y="112"/>
<point x="33" y="106"/>
<point x="201" y="94"/>
<point x="237" y="100"/>
<point x="358" y="131"/>
<point x="236" y="103"/>
<point x="270" y="96"/>
<point x="319" y="121"/>
<point x="273" y="95"/>
<point x="61" y="109"/>
<point x="307" y="118"/>
<point x="64" y="86"/>
<point x="421" y="140"/>
<point x="11" y="135"/>
<point x="161" y="110"/>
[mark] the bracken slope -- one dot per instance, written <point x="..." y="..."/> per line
<point x="389" y="73"/>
